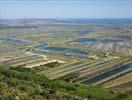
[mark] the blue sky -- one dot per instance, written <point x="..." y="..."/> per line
<point x="65" y="9"/>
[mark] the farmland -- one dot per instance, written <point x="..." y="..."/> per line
<point x="93" y="55"/>
<point x="108" y="74"/>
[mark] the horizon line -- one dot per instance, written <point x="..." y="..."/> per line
<point x="67" y="18"/>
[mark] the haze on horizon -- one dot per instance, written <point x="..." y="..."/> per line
<point x="65" y="9"/>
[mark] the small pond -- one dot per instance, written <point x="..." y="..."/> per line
<point x="61" y="50"/>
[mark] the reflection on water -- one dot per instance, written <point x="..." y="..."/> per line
<point x="107" y="74"/>
<point x="66" y="51"/>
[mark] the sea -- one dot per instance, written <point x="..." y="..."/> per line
<point x="100" y="21"/>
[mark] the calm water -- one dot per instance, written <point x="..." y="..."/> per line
<point x="85" y="40"/>
<point x="101" y="21"/>
<point x="75" y="20"/>
<point x="93" y="40"/>
<point x="107" y="74"/>
<point x="13" y="41"/>
<point x="65" y="51"/>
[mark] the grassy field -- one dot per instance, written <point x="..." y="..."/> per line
<point x="28" y="85"/>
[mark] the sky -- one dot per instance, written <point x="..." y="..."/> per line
<point x="65" y="9"/>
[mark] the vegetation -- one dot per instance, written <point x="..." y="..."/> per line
<point x="35" y="69"/>
<point x="16" y="85"/>
<point x="25" y="44"/>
